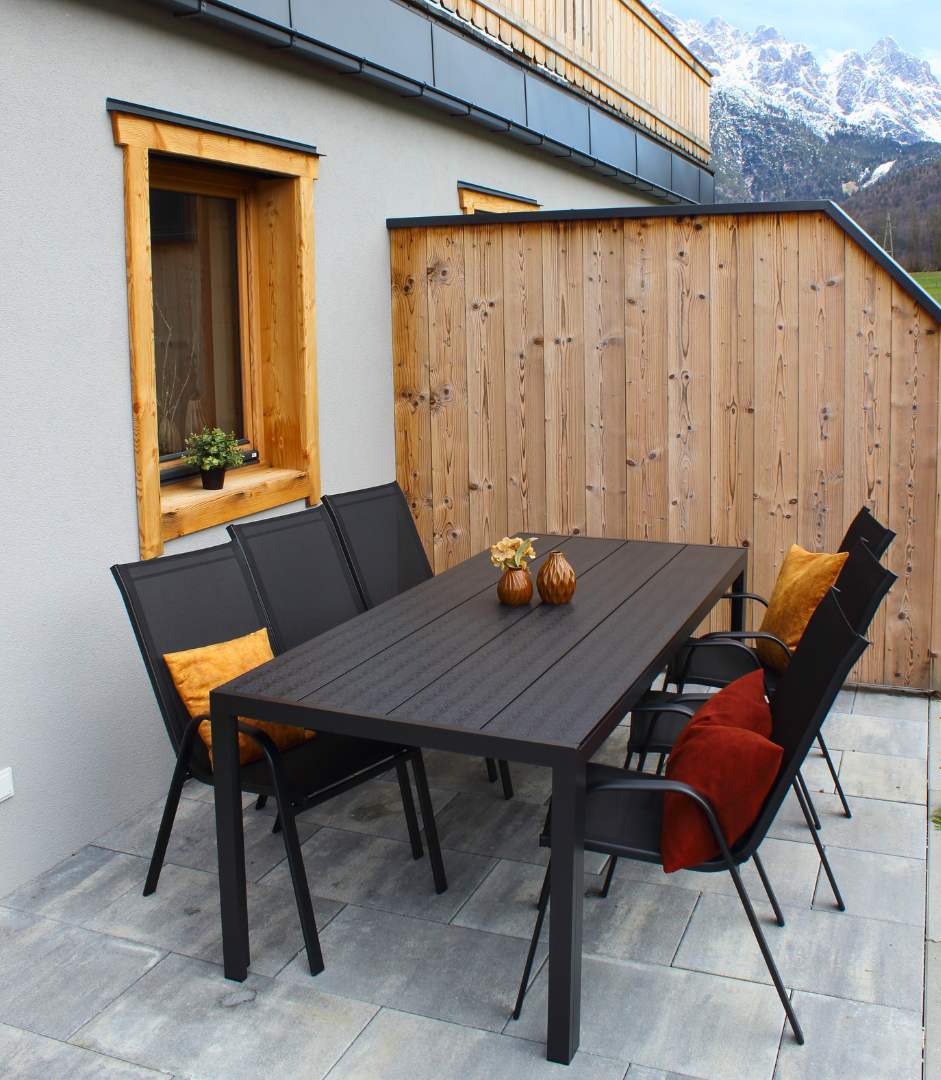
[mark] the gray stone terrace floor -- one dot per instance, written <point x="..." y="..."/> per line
<point x="100" y="982"/>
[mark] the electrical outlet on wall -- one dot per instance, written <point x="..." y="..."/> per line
<point x="6" y="783"/>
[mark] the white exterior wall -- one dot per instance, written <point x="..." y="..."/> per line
<point x="78" y="720"/>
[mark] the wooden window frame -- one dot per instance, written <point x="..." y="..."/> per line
<point x="278" y="320"/>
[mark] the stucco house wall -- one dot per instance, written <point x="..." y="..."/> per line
<point x="78" y="721"/>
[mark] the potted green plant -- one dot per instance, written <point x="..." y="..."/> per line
<point x="212" y="453"/>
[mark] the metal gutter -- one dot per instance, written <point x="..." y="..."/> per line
<point x="825" y="206"/>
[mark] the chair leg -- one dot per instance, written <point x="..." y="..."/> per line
<point x="491" y="770"/>
<point x="810" y="802"/>
<point x="276" y="828"/>
<point x="170" y="807"/>
<point x="612" y="863"/>
<point x="778" y="914"/>
<point x="540" y="916"/>
<point x="428" y="817"/>
<point x="408" y="805"/>
<point x="823" y="858"/>
<point x="663" y="758"/>
<point x="836" y="779"/>
<point x="507" y="779"/>
<point x="766" y="953"/>
<point x="261" y="802"/>
<point x="292" y="846"/>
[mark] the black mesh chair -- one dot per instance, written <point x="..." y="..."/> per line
<point x="203" y="597"/>
<point x="386" y="555"/>
<point x="624" y="810"/>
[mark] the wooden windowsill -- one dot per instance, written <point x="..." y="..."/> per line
<point x="187" y="507"/>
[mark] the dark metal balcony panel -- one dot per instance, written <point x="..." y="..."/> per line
<point x="321" y="54"/>
<point x="274" y="11"/>
<point x="653" y="162"/>
<point x="385" y="34"/>
<point x="477" y="76"/>
<point x="562" y="117"/>
<point x="707" y="187"/>
<point x="612" y="140"/>
<point x="685" y="178"/>
<point x="245" y="25"/>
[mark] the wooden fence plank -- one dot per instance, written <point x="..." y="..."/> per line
<point x="776" y="396"/>
<point x="525" y="383"/>
<point x="448" y="397"/>
<point x="822" y="326"/>
<point x="486" y="390"/>
<point x="912" y="491"/>
<point x="412" y="395"/>
<point x="606" y="484"/>
<point x="866" y="432"/>
<point x="645" y="336"/>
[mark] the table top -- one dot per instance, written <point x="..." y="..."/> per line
<point x="448" y="657"/>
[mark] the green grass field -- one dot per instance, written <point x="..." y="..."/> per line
<point x="930" y="281"/>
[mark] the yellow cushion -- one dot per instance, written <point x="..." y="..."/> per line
<point x="802" y="583"/>
<point x="197" y="671"/>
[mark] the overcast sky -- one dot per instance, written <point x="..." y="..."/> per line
<point x="828" y="28"/>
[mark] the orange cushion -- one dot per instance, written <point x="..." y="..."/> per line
<point x="801" y="584"/>
<point x="725" y="753"/>
<point x="197" y="671"/>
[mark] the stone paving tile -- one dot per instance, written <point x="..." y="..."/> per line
<point x="875" y="886"/>
<point x="182" y="916"/>
<point x="888" y="828"/>
<point x="878" y="776"/>
<point x="847" y="1040"/>
<point x="816" y="772"/>
<point x="80" y="885"/>
<point x="896" y="706"/>
<point x="400" y="1046"/>
<point x="374" y="807"/>
<point x="444" y="972"/>
<point x="27" y="1056"/>
<point x="193" y="840"/>
<point x="665" y="1018"/>
<point x="505" y="901"/>
<point x="458" y="772"/>
<point x="639" y="1072"/>
<point x="193" y="789"/>
<point x="184" y="1017"/>
<point x="498" y="829"/>
<point x="932" y="1010"/>
<point x="44" y="963"/>
<point x="370" y="870"/>
<point x="876" y="735"/>
<point x="818" y="951"/>
<point x="845" y="700"/>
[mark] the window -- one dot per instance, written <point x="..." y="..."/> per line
<point x="481" y="200"/>
<point x="219" y="236"/>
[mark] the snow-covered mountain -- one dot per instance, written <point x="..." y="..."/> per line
<point x="884" y="93"/>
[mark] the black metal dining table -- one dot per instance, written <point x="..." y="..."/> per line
<point x="445" y="666"/>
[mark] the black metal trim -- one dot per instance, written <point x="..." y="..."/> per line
<point x="825" y="206"/>
<point x="114" y="105"/>
<point x="463" y="184"/>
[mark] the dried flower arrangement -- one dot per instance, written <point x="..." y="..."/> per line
<point x="511" y="553"/>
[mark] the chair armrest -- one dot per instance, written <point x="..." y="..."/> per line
<point x="675" y="706"/>
<point x="718" y="636"/>
<point x="744" y="596"/>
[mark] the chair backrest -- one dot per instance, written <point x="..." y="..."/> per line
<point x="824" y="657"/>
<point x="862" y="584"/>
<point x="865" y="527"/>
<point x="381" y="542"/>
<point x="301" y="574"/>
<point x="185" y="602"/>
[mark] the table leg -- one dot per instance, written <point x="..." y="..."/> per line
<point x="567" y="892"/>
<point x="738" y="606"/>
<point x="230" y="846"/>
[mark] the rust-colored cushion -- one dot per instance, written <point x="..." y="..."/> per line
<point x="801" y="584"/>
<point x="197" y="671"/>
<point x="725" y="753"/>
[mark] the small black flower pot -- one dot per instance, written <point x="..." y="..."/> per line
<point x="213" y="479"/>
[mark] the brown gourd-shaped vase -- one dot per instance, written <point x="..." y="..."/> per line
<point x="556" y="579"/>
<point x="515" y="587"/>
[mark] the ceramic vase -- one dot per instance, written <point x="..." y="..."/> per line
<point x="515" y="587"/>
<point x="556" y="579"/>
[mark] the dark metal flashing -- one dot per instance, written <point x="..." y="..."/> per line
<point x="113" y="105"/>
<point x="493" y="191"/>
<point x="479" y="82"/>
<point x="838" y="216"/>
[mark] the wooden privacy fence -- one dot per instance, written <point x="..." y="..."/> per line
<point x="746" y="375"/>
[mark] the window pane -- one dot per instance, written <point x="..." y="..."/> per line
<point x="197" y="352"/>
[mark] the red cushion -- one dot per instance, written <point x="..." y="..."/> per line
<point x="725" y="753"/>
